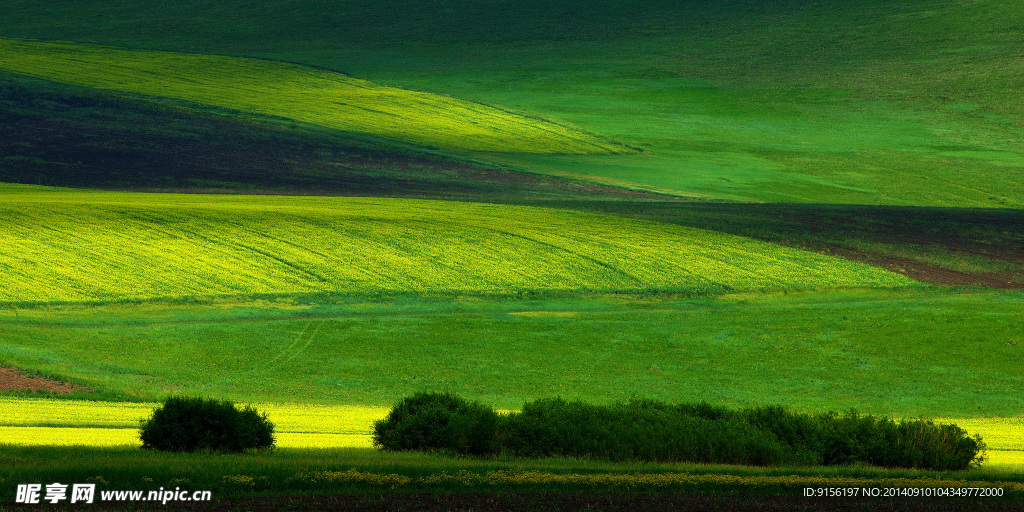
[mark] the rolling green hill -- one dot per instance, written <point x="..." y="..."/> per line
<point x="61" y="245"/>
<point x="301" y="93"/>
<point x="871" y="102"/>
<point x="68" y="136"/>
<point x="62" y="135"/>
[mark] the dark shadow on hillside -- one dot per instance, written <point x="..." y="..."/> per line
<point x="65" y="136"/>
<point x="951" y="246"/>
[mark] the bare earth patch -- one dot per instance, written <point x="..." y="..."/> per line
<point x="12" y="379"/>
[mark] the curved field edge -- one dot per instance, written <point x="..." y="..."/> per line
<point x="78" y="246"/>
<point x="301" y="93"/>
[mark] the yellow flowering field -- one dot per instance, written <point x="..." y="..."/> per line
<point x="998" y="433"/>
<point x="89" y="436"/>
<point x="1008" y="460"/>
<point x="68" y="436"/>
<point x="69" y="422"/>
<point x="301" y="93"/>
<point x="60" y="245"/>
<point x="288" y="418"/>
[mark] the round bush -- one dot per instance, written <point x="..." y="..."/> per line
<point x="438" y="422"/>
<point x="188" y="424"/>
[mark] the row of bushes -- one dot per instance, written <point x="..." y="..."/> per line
<point x="649" y="430"/>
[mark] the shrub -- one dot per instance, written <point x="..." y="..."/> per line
<point x="438" y="422"/>
<point x="638" y="430"/>
<point x="190" y="424"/>
<point x="838" y="439"/>
<point x="649" y="430"/>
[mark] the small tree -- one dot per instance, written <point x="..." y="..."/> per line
<point x="191" y="424"/>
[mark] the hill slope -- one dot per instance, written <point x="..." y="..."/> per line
<point x="300" y="93"/>
<point x="70" y="246"/>
<point x="69" y="136"/>
<point x="867" y="101"/>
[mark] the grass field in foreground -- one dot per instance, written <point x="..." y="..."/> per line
<point x="908" y="352"/>
<point x="58" y="245"/>
<point x="301" y="93"/>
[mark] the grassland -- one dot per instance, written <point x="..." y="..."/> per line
<point x="300" y="93"/>
<point x="832" y="102"/>
<point x="60" y="246"/>
<point x="332" y="303"/>
<point x="909" y="352"/>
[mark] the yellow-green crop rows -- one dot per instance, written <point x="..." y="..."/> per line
<point x="60" y="245"/>
<point x="301" y="93"/>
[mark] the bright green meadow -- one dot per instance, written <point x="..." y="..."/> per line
<point x="905" y="352"/>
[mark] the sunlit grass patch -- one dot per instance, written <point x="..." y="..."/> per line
<point x="301" y="93"/>
<point x="73" y="246"/>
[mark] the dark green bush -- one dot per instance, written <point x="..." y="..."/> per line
<point x="655" y="431"/>
<point x="838" y="439"/>
<point x="438" y="422"/>
<point x="190" y="424"/>
<point x="638" y="430"/>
